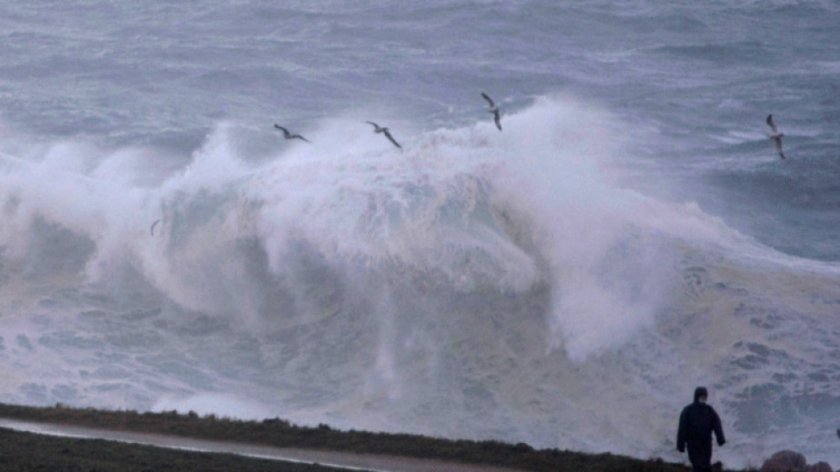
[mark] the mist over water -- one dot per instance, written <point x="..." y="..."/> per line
<point x="566" y="282"/>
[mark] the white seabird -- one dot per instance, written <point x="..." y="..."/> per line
<point x="380" y="129"/>
<point x="288" y="135"/>
<point x="152" y="228"/>
<point x="776" y="136"/>
<point x="497" y="115"/>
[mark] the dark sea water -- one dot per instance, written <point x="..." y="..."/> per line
<point x="567" y="282"/>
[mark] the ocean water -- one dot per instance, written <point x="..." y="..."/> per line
<point x="567" y="282"/>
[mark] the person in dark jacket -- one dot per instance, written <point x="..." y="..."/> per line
<point x="697" y="422"/>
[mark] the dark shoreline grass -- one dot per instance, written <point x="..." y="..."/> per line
<point x="280" y="433"/>
<point x="22" y="451"/>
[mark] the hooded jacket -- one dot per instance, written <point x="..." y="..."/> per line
<point x="697" y="422"/>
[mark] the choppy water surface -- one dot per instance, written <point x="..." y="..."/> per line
<point x="565" y="282"/>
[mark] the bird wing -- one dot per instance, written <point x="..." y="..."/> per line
<point x="497" y="117"/>
<point x="376" y="126"/>
<point x="771" y="124"/>
<point x="489" y="100"/>
<point x="302" y="138"/>
<point x="778" y="143"/>
<point x="391" y="138"/>
<point x="152" y="228"/>
<point x="284" y="130"/>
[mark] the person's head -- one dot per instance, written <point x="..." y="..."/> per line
<point x="701" y="395"/>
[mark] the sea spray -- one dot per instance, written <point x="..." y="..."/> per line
<point x="477" y="284"/>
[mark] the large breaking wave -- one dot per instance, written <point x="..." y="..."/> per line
<point x="479" y="284"/>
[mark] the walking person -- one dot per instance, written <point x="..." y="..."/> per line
<point x="697" y="422"/>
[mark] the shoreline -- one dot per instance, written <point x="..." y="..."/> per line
<point x="345" y="461"/>
<point x="280" y="435"/>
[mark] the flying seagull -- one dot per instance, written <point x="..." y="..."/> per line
<point x="497" y="115"/>
<point x="776" y="136"/>
<point x="152" y="228"/>
<point x="379" y="129"/>
<point x="288" y="135"/>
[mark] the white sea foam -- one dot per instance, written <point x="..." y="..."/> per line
<point x="476" y="284"/>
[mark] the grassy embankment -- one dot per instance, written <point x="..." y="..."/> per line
<point x="281" y="433"/>
<point x="20" y="451"/>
